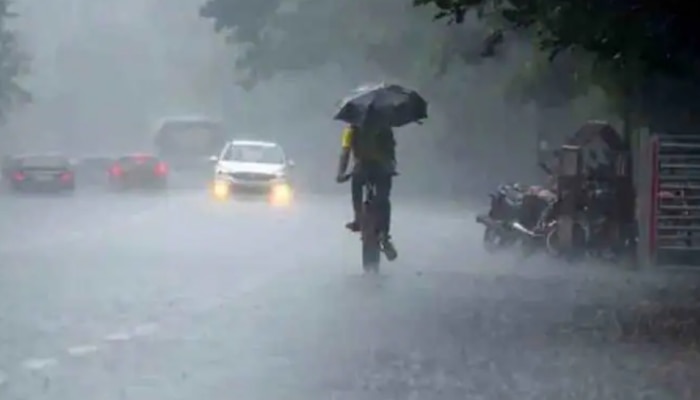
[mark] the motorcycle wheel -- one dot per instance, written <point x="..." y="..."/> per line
<point x="552" y="243"/>
<point x="493" y="241"/>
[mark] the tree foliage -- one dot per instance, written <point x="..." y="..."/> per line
<point x="282" y="36"/>
<point x="13" y="64"/>
<point x="627" y="39"/>
<point x="613" y="45"/>
<point x="660" y="36"/>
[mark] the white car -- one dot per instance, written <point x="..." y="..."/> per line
<point x="254" y="168"/>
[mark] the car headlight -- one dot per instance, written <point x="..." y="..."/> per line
<point x="221" y="189"/>
<point x="281" y="194"/>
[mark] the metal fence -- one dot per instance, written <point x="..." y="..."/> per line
<point x="675" y="200"/>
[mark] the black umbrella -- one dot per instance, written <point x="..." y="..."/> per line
<point x="382" y="105"/>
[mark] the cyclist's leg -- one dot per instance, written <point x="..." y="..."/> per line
<point x="383" y="182"/>
<point x="356" y="183"/>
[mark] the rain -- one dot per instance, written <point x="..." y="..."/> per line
<point x="173" y="223"/>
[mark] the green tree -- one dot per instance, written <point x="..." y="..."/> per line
<point x="13" y="64"/>
<point x="657" y="36"/>
<point x="293" y="36"/>
<point x="628" y="40"/>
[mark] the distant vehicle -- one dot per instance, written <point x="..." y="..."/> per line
<point x="247" y="167"/>
<point x="93" y="170"/>
<point x="138" y="171"/>
<point x="187" y="141"/>
<point x="39" y="172"/>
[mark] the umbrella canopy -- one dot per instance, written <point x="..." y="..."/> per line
<point x="382" y="105"/>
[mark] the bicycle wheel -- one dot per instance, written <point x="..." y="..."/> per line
<point x="371" y="249"/>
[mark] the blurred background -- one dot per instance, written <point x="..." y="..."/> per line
<point x="102" y="73"/>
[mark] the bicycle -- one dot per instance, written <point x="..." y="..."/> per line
<point x="370" y="235"/>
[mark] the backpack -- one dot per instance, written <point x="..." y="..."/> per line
<point x="366" y="143"/>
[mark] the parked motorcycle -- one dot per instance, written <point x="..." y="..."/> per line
<point x="517" y="215"/>
<point x="504" y="209"/>
<point x="530" y="217"/>
<point x="590" y="228"/>
<point x="537" y="222"/>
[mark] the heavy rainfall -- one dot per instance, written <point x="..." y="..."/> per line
<point x="177" y="223"/>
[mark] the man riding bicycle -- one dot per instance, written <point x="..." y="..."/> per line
<point x="374" y="157"/>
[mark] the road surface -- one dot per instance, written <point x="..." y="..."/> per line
<point x="149" y="297"/>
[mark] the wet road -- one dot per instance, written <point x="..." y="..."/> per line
<point x="176" y="297"/>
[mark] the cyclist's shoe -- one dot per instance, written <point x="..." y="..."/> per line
<point x="353" y="226"/>
<point x="388" y="248"/>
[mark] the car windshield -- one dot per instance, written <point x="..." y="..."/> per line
<point x="264" y="154"/>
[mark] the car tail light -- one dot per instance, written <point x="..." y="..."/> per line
<point x="18" y="176"/>
<point x="116" y="171"/>
<point x="161" y="169"/>
<point x="66" y="177"/>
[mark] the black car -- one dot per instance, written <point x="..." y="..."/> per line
<point x="138" y="171"/>
<point x="43" y="172"/>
